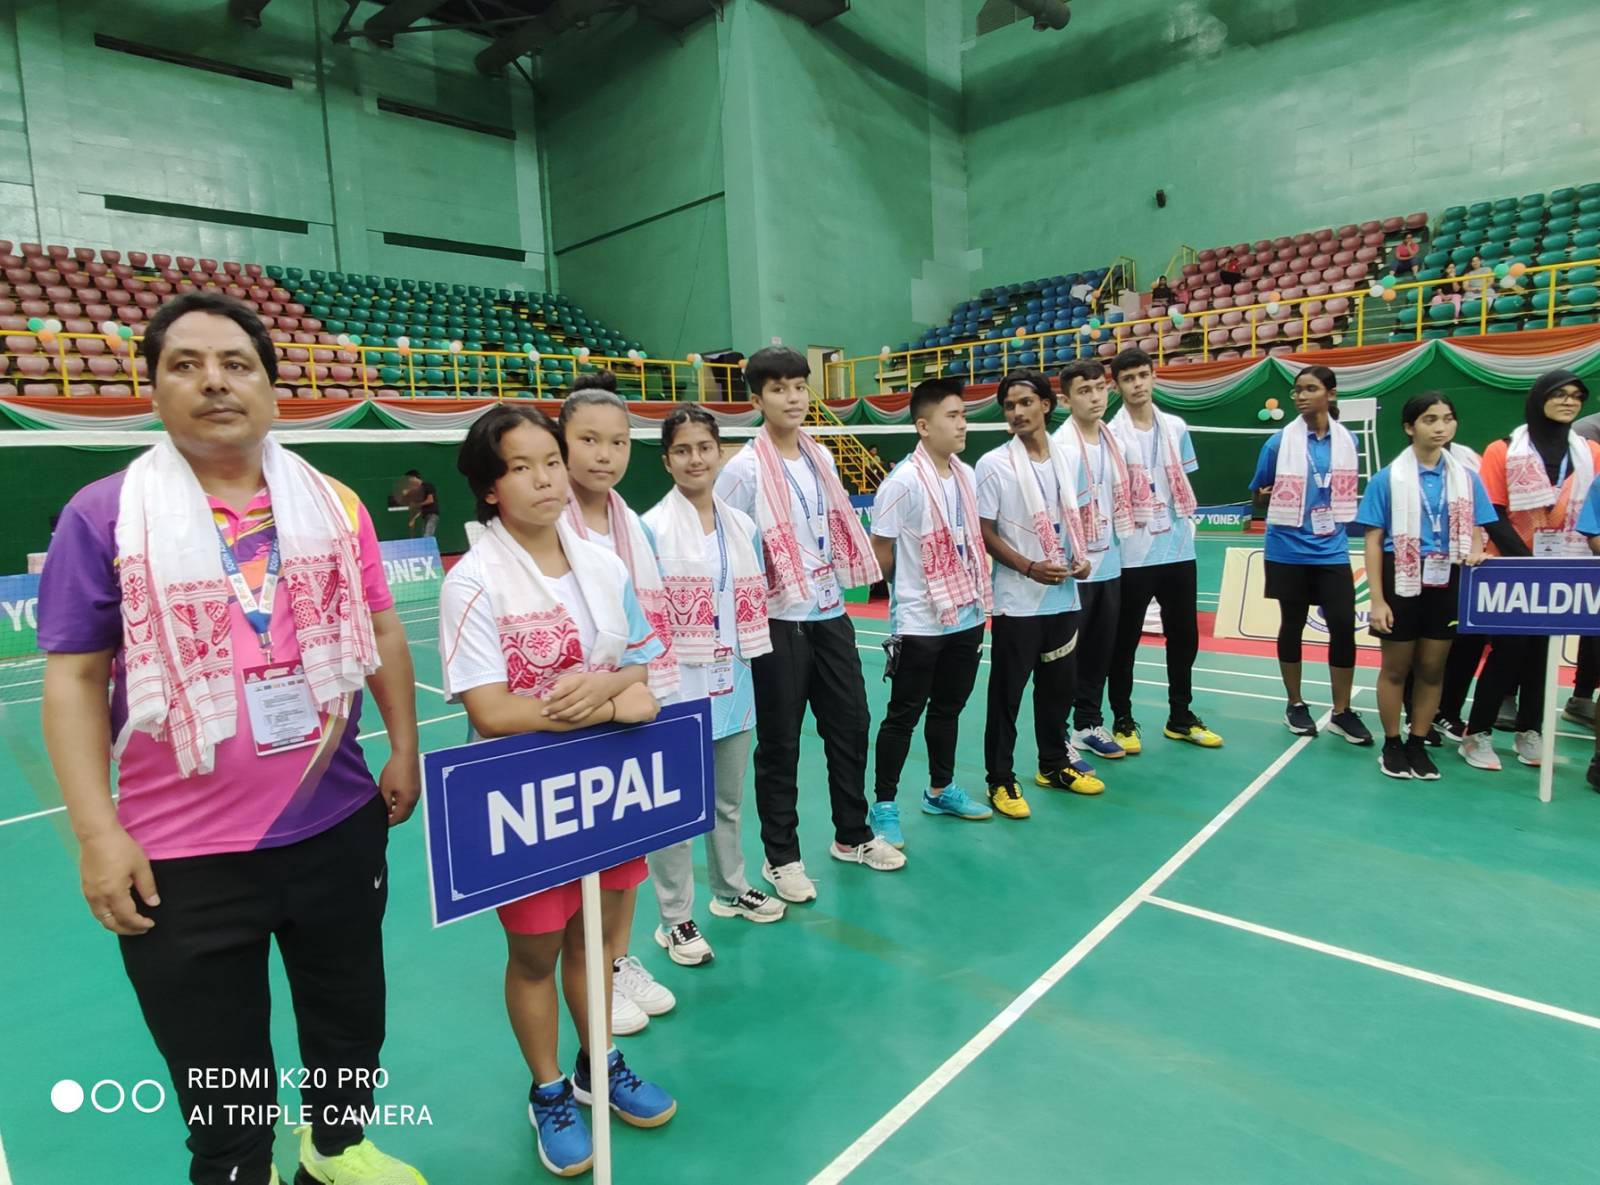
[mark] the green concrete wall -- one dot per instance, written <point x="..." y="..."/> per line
<point x="1263" y="117"/>
<point x="78" y="122"/>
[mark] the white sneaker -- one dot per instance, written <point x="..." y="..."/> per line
<point x="627" y="1018"/>
<point x="629" y="975"/>
<point x="1527" y="744"/>
<point x="1477" y="750"/>
<point x="875" y="854"/>
<point x="753" y="905"/>
<point x="684" y="944"/>
<point x="790" y="880"/>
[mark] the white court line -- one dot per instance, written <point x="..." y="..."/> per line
<point x="875" y="1136"/>
<point x="1353" y="956"/>
<point x="366" y="736"/>
<point x="436" y="690"/>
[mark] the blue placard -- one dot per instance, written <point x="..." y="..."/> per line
<point x="413" y="569"/>
<point x="1518" y="595"/>
<point x="514" y="816"/>
<point x="19" y="615"/>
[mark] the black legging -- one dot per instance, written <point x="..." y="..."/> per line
<point x="1341" y="619"/>
<point x="1515" y="667"/>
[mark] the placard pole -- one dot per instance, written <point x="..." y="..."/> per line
<point x="1547" y="731"/>
<point x="599" y="1036"/>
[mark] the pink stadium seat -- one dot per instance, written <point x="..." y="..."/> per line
<point x="1282" y="241"/>
<point x="1321" y="326"/>
<point x="1338" y="306"/>
<point x="1311" y="308"/>
<point x="147" y="300"/>
<point x="57" y="292"/>
<point x="1191" y="269"/>
<point x="1207" y="255"/>
<point x="68" y="267"/>
<point x="1317" y="290"/>
<point x="117" y="296"/>
<point x="1347" y="229"/>
<point x="293" y="309"/>
<point x="67" y="310"/>
<point x="117" y="390"/>
<point x="1226" y="355"/>
<point x="1366" y="254"/>
<point x="130" y="314"/>
<point x="30" y="248"/>
<point x="1293" y="327"/>
<point x="1323" y="235"/>
<point x="1210" y="320"/>
<point x="1372" y="239"/>
<point x="1170" y="343"/>
<point x="104" y="367"/>
<point x="1262" y="245"/>
<point x="1106" y="350"/>
<point x="78" y="325"/>
<point x="18" y="344"/>
<point x="1303" y="240"/>
<point x="1240" y="248"/>
<point x="1416" y="221"/>
<point x="1346" y="285"/>
<point x="185" y="263"/>
<point x="1354" y="271"/>
<point x="1277" y="267"/>
<point x="89" y="346"/>
<point x="1286" y="253"/>
<point x="1222" y="302"/>
<point x="35" y="308"/>
<point x="139" y="259"/>
<point x="1321" y="259"/>
<point x="32" y="365"/>
<point x="1370" y="226"/>
<point x="1232" y="317"/>
<point x="208" y="265"/>
<point x="1240" y="335"/>
<point x="1148" y="344"/>
<point x="253" y="270"/>
<point x="1344" y="258"/>
<point x="1305" y="250"/>
<point x="8" y="308"/>
<point x="29" y="291"/>
<point x="1255" y="271"/>
<point x="78" y="281"/>
<point x="161" y="261"/>
<point x="232" y="269"/>
<point x="83" y="254"/>
<point x="1268" y="331"/>
<point x="1333" y="273"/>
<point x="97" y="312"/>
<point x="1245" y="288"/>
<point x="57" y="251"/>
<point x="161" y="288"/>
<point x="1392" y="226"/>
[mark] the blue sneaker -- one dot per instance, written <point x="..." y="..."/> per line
<point x="1099" y="742"/>
<point x="1076" y="763"/>
<point x="954" y="801"/>
<point x="565" y="1147"/>
<point x="637" y="1103"/>
<point x="884" y="819"/>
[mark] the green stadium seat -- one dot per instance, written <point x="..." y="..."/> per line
<point x="1587" y="274"/>
<point x="1443" y="311"/>
<point x="1563" y="212"/>
<point x="1434" y="333"/>
<point x="1585" y="297"/>
<point x="1466" y="330"/>
<point x="1443" y="242"/>
<point x="1576" y="319"/>
<point x="318" y="276"/>
<point x="1586" y="240"/>
<point x="1455" y="212"/>
<point x="274" y="271"/>
<point x="1566" y="193"/>
<point x="1523" y="246"/>
<point x="1589" y="221"/>
<point x="1493" y="251"/>
<point x="293" y="273"/>
<point x="1508" y="305"/>
<point x="1529" y="229"/>
<point x="1462" y="256"/>
<point x="1531" y="200"/>
<point x="1505" y="204"/>
<point x="1559" y="241"/>
<point x="1471" y="309"/>
<point x="1430" y="273"/>
<point x="1512" y="326"/>
<point x="1478" y="209"/>
<point x="1546" y="258"/>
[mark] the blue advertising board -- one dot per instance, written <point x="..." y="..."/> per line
<point x="1520" y="595"/>
<point x="19" y="615"/>
<point x="514" y="816"/>
<point x="413" y="569"/>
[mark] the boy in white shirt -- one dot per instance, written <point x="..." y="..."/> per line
<point x="926" y="537"/>
<point x="814" y="548"/>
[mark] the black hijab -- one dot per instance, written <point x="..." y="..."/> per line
<point x="1550" y="439"/>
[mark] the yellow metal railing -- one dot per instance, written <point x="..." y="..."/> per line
<point x="456" y="373"/>
<point x="908" y="367"/>
<point x="857" y="464"/>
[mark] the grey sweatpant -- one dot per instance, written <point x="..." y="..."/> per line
<point x="672" y="869"/>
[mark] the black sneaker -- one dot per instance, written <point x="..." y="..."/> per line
<point x="1297" y="718"/>
<point x="1422" y="765"/>
<point x="1454" y="729"/>
<point x="1348" y="725"/>
<point x="1393" y="760"/>
<point x="1594" y="773"/>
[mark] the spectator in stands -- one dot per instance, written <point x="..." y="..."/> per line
<point x="1538" y="479"/>
<point x="1405" y="256"/>
<point x="245" y="811"/>
<point x="1162" y="292"/>
<point x="1434" y="508"/>
<point x="1479" y="280"/>
<point x="1449" y="289"/>
<point x="1232" y="270"/>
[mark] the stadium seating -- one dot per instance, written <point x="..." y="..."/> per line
<point x="84" y="288"/>
<point x="1060" y="303"/>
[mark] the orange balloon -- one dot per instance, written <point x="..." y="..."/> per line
<point x="1518" y="268"/>
<point x="1389" y="294"/>
<point x="1271" y="403"/>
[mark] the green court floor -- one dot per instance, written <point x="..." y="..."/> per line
<point x="1254" y="966"/>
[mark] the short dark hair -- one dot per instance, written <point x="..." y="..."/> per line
<point x="1130" y="359"/>
<point x="929" y="394"/>
<point x="219" y="305"/>
<point x="479" y="460"/>
<point x="687" y="413"/>
<point x="1323" y="375"/>
<point x="1027" y="378"/>
<point x="413" y="473"/>
<point x="1417" y="404"/>
<point x="772" y="364"/>
<point x="1081" y="368"/>
<point x="596" y="380"/>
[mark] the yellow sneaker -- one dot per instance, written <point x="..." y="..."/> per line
<point x="1069" y="779"/>
<point x="1009" y="802"/>
<point x="361" y="1165"/>
<point x="1192" y="729"/>
<point x="1126" y="733"/>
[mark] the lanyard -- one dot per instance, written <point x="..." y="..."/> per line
<point x="1154" y="455"/>
<point x="1044" y="495"/>
<point x="1436" y="513"/>
<point x="1319" y="478"/>
<point x="822" y="539"/>
<point x="722" y="580"/>
<point x="257" y="611"/>
<point x="959" y="517"/>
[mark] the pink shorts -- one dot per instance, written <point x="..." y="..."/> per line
<point x="551" y="910"/>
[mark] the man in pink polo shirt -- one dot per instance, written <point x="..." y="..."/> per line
<point x="234" y="600"/>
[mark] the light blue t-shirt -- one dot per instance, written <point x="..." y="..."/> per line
<point x="1299" y="545"/>
<point x="1589" y="516"/>
<point x="737" y="486"/>
<point x="1375" y="507"/>
<point x="1143" y="548"/>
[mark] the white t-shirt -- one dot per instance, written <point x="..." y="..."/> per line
<point x="1143" y="549"/>
<point x="897" y="513"/>
<point x="1000" y="499"/>
<point x="736" y="485"/>
<point x="1099" y="475"/>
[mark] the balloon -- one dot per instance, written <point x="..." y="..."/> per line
<point x="583" y="351"/>
<point x="1094" y="322"/>
<point x="1507" y="281"/>
<point x="1518" y="268"/>
<point x="1177" y="318"/>
<point x="1389" y="281"/>
<point x="634" y="355"/>
<point x="1502" y="270"/>
<point x="455" y="346"/>
<point x="1263" y="414"/>
<point x="533" y="354"/>
<point x="1274" y="296"/>
<point x="884" y="352"/>
<point x="1271" y="403"/>
<point x="1277" y="413"/>
<point x="697" y="360"/>
<point x="1375" y="291"/>
<point x="1272" y="308"/>
<point x="35" y="324"/>
<point x="402" y="343"/>
<point x="1084" y="329"/>
<point x="355" y="340"/>
<point x="1389" y="294"/>
<point x="343" y="339"/>
<point x="125" y="332"/>
<point x="51" y="325"/>
<point x="109" y="328"/>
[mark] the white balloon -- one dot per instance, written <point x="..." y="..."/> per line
<point x="1272" y="308"/>
<point x="1375" y="291"/>
<point x="455" y="346"/>
<point x="533" y="355"/>
<point x="403" y="342"/>
<point x="633" y="354"/>
<point x="884" y="352"/>
<point x="343" y="339"/>
<point x="109" y="328"/>
<point x="52" y="326"/>
<point x="1277" y="413"/>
